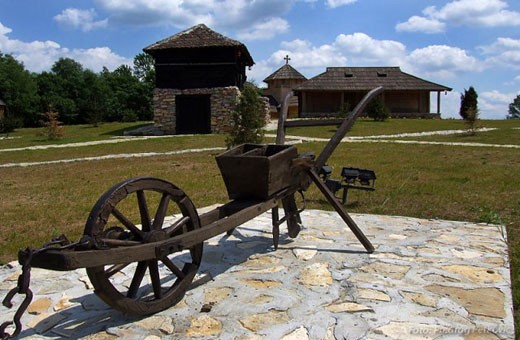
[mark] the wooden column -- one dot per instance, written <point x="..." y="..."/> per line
<point x="438" y="102"/>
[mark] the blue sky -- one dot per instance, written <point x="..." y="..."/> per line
<point x="457" y="43"/>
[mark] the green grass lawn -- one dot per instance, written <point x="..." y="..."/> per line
<point x="71" y="134"/>
<point x="478" y="184"/>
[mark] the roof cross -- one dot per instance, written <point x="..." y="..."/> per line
<point x="287" y="59"/>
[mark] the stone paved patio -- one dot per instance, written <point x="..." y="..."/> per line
<point x="428" y="279"/>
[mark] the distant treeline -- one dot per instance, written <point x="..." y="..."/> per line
<point x="78" y="95"/>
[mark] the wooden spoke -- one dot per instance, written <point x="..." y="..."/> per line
<point x="143" y="211"/>
<point x="156" y="279"/>
<point x="170" y="230"/>
<point x="127" y="223"/>
<point x="171" y="266"/>
<point x="168" y="286"/>
<point x="115" y="269"/>
<point x="137" y="279"/>
<point x="161" y="212"/>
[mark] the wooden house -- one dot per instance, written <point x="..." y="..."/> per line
<point x="340" y="88"/>
<point x="199" y="74"/>
<point x="281" y="82"/>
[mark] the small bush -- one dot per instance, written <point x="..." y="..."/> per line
<point x="129" y="116"/>
<point x="345" y="110"/>
<point x="8" y="125"/>
<point x="248" y="118"/>
<point x="469" y="109"/>
<point x="53" y="127"/>
<point x="377" y="110"/>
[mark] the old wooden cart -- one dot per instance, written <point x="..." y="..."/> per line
<point x="120" y="231"/>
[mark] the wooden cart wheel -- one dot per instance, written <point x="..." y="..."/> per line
<point x="121" y="218"/>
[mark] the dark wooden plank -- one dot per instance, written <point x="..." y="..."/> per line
<point x="222" y="225"/>
<point x="342" y="213"/>
<point x="313" y="122"/>
<point x="62" y="260"/>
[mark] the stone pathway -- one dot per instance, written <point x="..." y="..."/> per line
<point x="112" y="156"/>
<point x="115" y="140"/>
<point x="289" y="140"/>
<point x="427" y="279"/>
<point x="380" y="139"/>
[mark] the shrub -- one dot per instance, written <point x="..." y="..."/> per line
<point x="469" y="108"/>
<point x="8" y="124"/>
<point x="345" y="110"/>
<point x="468" y="101"/>
<point x="129" y="116"/>
<point x="377" y="110"/>
<point x="248" y="118"/>
<point x="53" y="127"/>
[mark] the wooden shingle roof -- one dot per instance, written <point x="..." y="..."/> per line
<point x="285" y="72"/>
<point x="367" y="78"/>
<point x="198" y="36"/>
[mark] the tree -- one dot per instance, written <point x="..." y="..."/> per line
<point x="468" y="101"/>
<point x="94" y="98"/>
<point x="128" y="96"/>
<point x="70" y="87"/>
<point x="18" y="90"/>
<point x="377" y="110"/>
<point x="469" y="108"/>
<point x="53" y="127"/>
<point x="248" y="118"/>
<point x="514" y="109"/>
<point x="144" y="68"/>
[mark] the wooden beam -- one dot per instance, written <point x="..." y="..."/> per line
<point x="313" y="122"/>
<point x="438" y="102"/>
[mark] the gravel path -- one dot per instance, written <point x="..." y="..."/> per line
<point x="115" y="156"/>
<point x="290" y="139"/>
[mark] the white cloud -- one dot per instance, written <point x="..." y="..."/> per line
<point x="476" y="12"/>
<point x="79" y="18"/>
<point x="359" y="49"/>
<point x="4" y="30"/>
<point x="265" y="30"/>
<point x="494" y="104"/>
<point x="487" y="13"/>
<point x="362" y="49"/>
<point x="39" y="56"/>
<point x="250" y="19"/>
<point x="443" y="61"/>
<point x="338" y="3"/>
<point x="96" y="58"/>
<point x="303" y="53"/>
<point x="175" y="13"/>
<point x="421" y="24"/>
<point x="503" y="52"/>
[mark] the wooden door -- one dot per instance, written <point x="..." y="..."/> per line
<point x="193" y="114"/>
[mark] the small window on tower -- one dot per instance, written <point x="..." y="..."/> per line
<point x="381" y="74"/>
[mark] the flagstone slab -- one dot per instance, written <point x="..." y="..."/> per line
<point x="481" y="301"/>
<point x="427" y="279"/>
